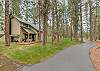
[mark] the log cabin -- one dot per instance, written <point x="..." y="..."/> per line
<point x="23" y="31"/>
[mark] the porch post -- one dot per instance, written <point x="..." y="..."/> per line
<point x="28" y="37"/>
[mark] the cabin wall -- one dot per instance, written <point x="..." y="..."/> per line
<point x="16" y="30"/>
<point x="36" y="39"/>
<point x="15" y="27"/>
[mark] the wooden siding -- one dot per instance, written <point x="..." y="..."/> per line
<point x="15" y="27"/>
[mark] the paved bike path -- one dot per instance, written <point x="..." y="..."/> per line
<point x="75" y="58"/>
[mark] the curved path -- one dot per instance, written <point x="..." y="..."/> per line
<point x="75" y="58"/>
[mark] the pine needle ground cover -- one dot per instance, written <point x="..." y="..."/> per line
<point x="32" y="54"/>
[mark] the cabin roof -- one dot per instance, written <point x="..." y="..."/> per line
<point x="36" y="27"/>
<point x="28" y="30"/>
<point x="1" y="33"/>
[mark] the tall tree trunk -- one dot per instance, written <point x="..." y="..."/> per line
<point x="39" y="3"/>
<point x="67" y="30"/>
<point x="96" y="21"/>
<point x="63" y="26"/>
<point x="44" y="30"/>
<point x="90" y="19"/>
<point x="53" y="21"/>
<point x="75" y="29"/>
<point x="94" y="28"/>
<point x="81" y="21"/>
<point x="71" y="32"/>
<point x="86" y="13"/>
<point x="45" y="21"/>
<point x="57" y="21"/>
<point x="7" y="36"/>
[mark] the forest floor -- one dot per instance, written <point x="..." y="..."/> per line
<point x="75" y="58"/>
<point x="7" y="64"/>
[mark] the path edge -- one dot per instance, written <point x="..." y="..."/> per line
<point x="91" y="57"/>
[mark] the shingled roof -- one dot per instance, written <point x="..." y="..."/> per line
<point x="1" y="33"/>
<point x="36" y="27"/>
<point x="28" y="30"/>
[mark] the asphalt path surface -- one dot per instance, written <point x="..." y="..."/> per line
<point x="75" y="58"/>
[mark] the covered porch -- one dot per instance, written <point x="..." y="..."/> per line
<point x="28" y="35"/>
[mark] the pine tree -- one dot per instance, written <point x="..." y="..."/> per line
<point x="7" y="36"/>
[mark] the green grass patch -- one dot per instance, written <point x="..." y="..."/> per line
<point x="36" y="53"/>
